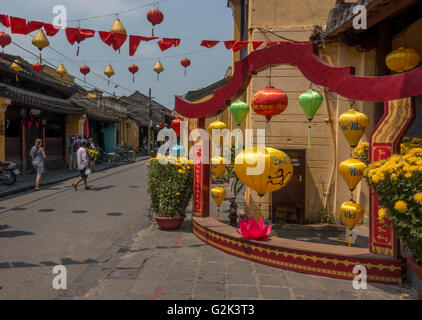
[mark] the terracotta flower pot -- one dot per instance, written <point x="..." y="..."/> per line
<point x="169" y="223"/>
<point x="418" y="270"/>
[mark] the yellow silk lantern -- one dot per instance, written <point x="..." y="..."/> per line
<point x="158" y="68"/>
<point x="15" y="66"/>
<point x="352" y="172"/>
<point x="218" y="194"/>
<point x="109" y="72"/>
<point x="61" y="71"/>
<point x="263" y="169"/>
<point x="40" y="41"/>
<point x="353" y="124"/>
<point x="117" y="27"/>
<point x="217" y="166"/>
<point x="403" y="59"/>
<point x="217" y="124"/>
<point x="351" y="213"/>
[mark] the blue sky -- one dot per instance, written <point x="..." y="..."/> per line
<point x="190" y="20"/>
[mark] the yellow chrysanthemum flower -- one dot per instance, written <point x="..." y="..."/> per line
<point x="408" y="175"/>
<point x="418" y="197"/>
<point x="394" y="177"/>
<point x="147" y="164"/>
<point x="181" y="171"/>
<point x="178" y="194"/>
<point x="375" y="178"/>
<point x="400" y="206"/>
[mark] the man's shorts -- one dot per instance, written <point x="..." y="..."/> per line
<point x="83" y="174"/>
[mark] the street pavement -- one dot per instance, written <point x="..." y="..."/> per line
<point x="113" y="250"/>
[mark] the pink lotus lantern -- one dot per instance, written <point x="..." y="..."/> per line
<point x="253" y="229"/>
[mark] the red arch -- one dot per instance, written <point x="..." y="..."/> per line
<point x="304" y="55"/>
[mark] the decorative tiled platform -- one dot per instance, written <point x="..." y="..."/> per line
<point x="318" y="259"/>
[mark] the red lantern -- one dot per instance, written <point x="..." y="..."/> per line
<point x="185" y="63"/>
<point x="5" y="40"/>
<point x="37" y="68"/>
<point x="269" y="102"/>
<point x="175" y="124"/>
<point x="155" y="16"/>
<point x="85" y="70"/>
<point x="133" y="69"/>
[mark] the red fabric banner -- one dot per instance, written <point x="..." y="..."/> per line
<point x="134" y="42"/>
<point x="33" y="25"/>
<point x="78" y="35"/>
<point x="256" y="44"/>
<point x="51" y="30"/>
<point x="270" y="43"/>
<point x="164" y="45"/>
<point x="229" y="44"/>
<point x="115" y="40"/>
<point x="240" y="45"/>
<point x="4" y="20"/>
<point x="18" y="25"/>
<point x="174" y="41"/>
<point x="209" y="43"/>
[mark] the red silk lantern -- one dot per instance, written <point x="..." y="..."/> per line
<point x="37" y="68"/>
<point x="185" y="63"/>
<point x="269" y="102"/>
<point x="133" y="69"/>
<point x="175" y="124"/>
<point x="155" y="16"/>
<point x="85" y="70"/>
<point x="5" y="40"/>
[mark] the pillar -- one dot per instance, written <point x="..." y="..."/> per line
<point x="385" y="141"/>
<point x="4" y="103"/>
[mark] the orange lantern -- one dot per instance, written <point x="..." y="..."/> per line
<point x="155" y="16"/>
<point x="5" y="40"/>
<point x="133" y="69"/>
<point x="269" y="102"/>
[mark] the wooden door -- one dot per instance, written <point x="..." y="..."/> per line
<point x="288" y="203"/>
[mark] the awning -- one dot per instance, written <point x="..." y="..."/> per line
<point x="30" y="99"/>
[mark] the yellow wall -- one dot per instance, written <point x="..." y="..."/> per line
<point x="133" y="135"/>
<point x="4" y="103"/>
<point x="295" y="19"/>
<point x="411" y="38"/>
<point x="73" y="127"/>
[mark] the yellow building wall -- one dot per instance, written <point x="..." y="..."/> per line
<point x="4" y="103"/>
<point x="295" y="20"/>
<point x="73" y="127"/>
<point x="133" y="135"/>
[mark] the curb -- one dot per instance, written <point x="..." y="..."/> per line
<point x="32" y="186"/>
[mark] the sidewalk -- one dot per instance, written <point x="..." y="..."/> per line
<point x="27" y="182"/>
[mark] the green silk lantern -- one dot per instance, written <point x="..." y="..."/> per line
<point x="239" y="110"/>
<point x="310" y="101"/>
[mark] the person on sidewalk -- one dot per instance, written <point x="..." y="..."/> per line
<point x="73" y="148"/>
<point x="38" y="156"/>
<point x="93" y="155"/>
<point x="82" y="158"/>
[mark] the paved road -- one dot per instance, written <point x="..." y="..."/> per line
<point x="57" y="225"/>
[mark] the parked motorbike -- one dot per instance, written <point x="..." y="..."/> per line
<point x="8" y="173"/>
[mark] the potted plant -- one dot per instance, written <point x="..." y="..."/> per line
<point x="170" y="187"/>
<point x="398" y="183"/>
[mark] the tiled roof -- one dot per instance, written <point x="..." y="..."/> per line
<point x="94" y="112"/>
<point x="203" y="92"/>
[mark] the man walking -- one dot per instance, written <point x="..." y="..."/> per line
<point x="82" y="158"/>
<point x="73" y="148"/>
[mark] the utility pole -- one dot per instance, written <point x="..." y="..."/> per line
<point x="149" y="122"/>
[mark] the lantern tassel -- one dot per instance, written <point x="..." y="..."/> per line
<point x="40" y="58"/>
<point x="350" y="238"/>
<point x="17" y="78"/>
<point x="108" y="82"/>
<point x="309" y="137"/>
<point x="2" y="55"/>
<point x="185" y="72"/>
<point x="153" y="31"/>
<point x="84" y="78"/>
<point x="133" y="78"/>
<point x="218" y="214"/>
<point x="259" y="210"/>
<point x="77" y="51"/>
<point x="158" y="77"/>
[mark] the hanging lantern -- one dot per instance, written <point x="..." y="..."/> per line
<point x="351" y="213"/>
<point x="109" y="72"/>
<point x="175" y="124"/>
<point x="263" y="170"/>
<point x="217" y="166"/>
<point x="239" y="110"/>
<point x="403" y="59"/>
<point x="40" y="41"/>
<point x="352" y="172"/>
<point x="155" y="16"/>
<point x="85" y="70"/>
<point x="310" y="101"/>
<point x="178" y="151"/>
<point x="15" y="66"/>
<point x="61" y="71"/>
<point x="269" y="102"/>
<point x="353" y="124"/>
<point x="37" y="67"/>
<point x="133" y="69"/>
<point x="158" y="68"/>
<point x="185" y="63"/>
<point x="217" y="124"/>
<point x="5" y="40"/>
<point x="218" y="194"/>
